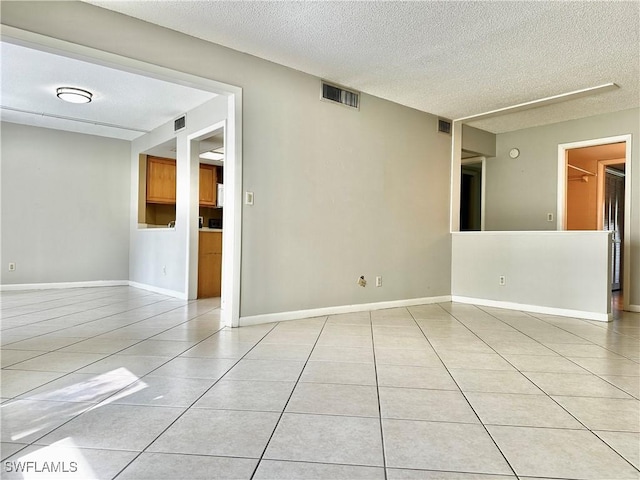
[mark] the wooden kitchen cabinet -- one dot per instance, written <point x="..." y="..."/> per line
<point x="208" y="185"/>
<point x="161" y="180"/>
<point x="209" y="264"/>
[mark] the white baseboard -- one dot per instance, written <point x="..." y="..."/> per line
<point x="162" y="291"/>
<point x="562" y="312"/>
<point x="321" y="312"/>
<point x="634" y="308"/>
<point x="49" y="286"/>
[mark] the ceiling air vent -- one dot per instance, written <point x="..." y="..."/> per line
<point x="179" y="123"/>
<point x="444" y="126"/>
<point x="340" y="95"/>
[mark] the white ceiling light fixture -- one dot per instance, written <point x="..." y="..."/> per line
<point x="74" y="95"/>
<point x="212" y="155"/>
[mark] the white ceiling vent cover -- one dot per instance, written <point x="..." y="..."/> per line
<point x="340" y="95"/>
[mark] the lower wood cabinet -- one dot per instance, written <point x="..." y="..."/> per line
<point x="209" y="264"/>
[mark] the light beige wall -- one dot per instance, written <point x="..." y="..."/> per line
<point x="520" y="192"/>
<point x="338" y="193"/>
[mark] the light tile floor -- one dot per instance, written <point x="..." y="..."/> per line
<point x="122" y="383"/>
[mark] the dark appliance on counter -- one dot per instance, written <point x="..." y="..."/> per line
<point x="215" y="223"/>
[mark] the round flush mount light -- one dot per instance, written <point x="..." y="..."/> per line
<point x="514" y="153"/>
<point x="74" y="95"/>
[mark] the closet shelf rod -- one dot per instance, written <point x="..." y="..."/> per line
<point x="581" y="170"/>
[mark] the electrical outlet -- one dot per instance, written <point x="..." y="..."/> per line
<point x="12" y="266"/>
<point x="378" y="281"/>
<point x="502" y="280"/>
<point x="164" y="270"/>
<point x="549" y="217"/>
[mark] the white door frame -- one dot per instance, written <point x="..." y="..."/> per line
<point x="562" y="197"/>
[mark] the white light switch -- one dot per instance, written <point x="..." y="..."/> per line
<point x="248" y="198"/>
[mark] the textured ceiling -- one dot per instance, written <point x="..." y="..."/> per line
<point x="124" y="105"/>
<point x="453" y="59"/>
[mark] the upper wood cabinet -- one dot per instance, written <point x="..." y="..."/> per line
<point x="161" y="180"/>
<point x="208" y="185"/>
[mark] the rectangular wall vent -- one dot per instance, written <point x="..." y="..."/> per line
<point x="179" y="123"/>
<point x="340" y="95"/>
<point x="444" y="126"/>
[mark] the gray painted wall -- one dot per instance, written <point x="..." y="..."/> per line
<point x="65" y="206"/>
<point x="521" y="192"/>
<point x="338" y="193"/>
<point x="478" y="141"/>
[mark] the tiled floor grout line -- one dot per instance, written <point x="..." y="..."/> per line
<point x="101" y="402"/>
<point x="284" y="408"/>
<point x="460" y="389"/>
<point x="375" y="367"/>
<point x="103" y="297"/>
<point x="139" y="300"/>
<point x="114" y="330"/>
<point x="8" y="345"/>
<point x="194" y="402"/>
<point x="543" y="391"/>
<point x="126" y="310"/>
<point x="589" y="372"/>
<point x="18" y="397"/>
<point x="561" y="356"/>
<point x="591" y="342"/>
<point x="572" y="333"/>
<point x="474" y="323"/>
<point x="60" y="297"/>
<point x="516" y="368"/>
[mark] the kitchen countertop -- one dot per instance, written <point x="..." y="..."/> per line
<point x="145" y="226"/>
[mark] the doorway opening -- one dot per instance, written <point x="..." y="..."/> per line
<point x="472" y="192"/>
<point x="595" y="190"/>
<point x="151" y="241"/>
<point x="210" y="214"/>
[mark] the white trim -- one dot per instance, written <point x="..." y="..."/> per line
<point x="456" y="162"/>
<point x="633" y="308"/>
<point x="562" y="189"/>
<point x="534" y="233"/>
<point x="232" y="214"/>
<point x="562" y="312"/>
<point x="49" y="286"/>
<point x="321" y="312"/>
<point x="541" y="102"/>
<point x="161" y="291"/>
